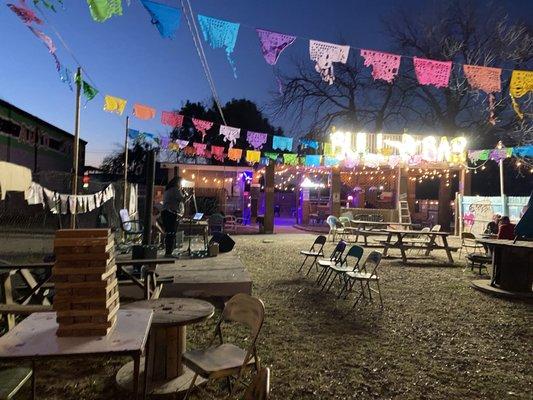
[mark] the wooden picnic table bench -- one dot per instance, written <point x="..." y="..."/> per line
<point x="427" y="245"/>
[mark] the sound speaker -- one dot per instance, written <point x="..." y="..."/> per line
<point x="225" y="243"/>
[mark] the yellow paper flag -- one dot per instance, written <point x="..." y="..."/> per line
<point x="521" y="84"/>
<point x="114" y="104"/>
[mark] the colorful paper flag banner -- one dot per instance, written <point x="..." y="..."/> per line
<point x="220" y="34"/>
<point x="234" y="154"/>
<point x="202" y="126"/>
<point x="290" y="159"/>
<point x="26" y="14"/>
<point x="133" y="134"/>
<point x="523" y="151"/>
<point x="253" y="156"/>
<point x="385" y="66"/>
<point x="282" y="143"/>
<point x="217" y="152"/>
<point x="172" y="119"/>
<point x="102" y="10"/>
<point x="329" y="150"/>
<point x="256" y="139"/>
<point x="500" y="154"/>
<point x="66" y="76"/>
<point x="200" y="149"/>
<point x="432" y="72"/>
<point x="312" y="160"/>
<point x="165" y="18"/>
<point x="521" y="83"/>
<point x="273" y="43"/>
<point x="486" y="79"/>
<point x="230" y="134"/>
<point x="324" y="55"/>
<point x="330" y="161"/>
<point x="114" y="104"/>
<point x="143" y="112"/>
<point x="313" y="144"/>
<point x="89" y="92"/>
<point x="182" y="143"/>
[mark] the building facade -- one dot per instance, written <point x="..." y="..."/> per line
<point x="34" y="143"/>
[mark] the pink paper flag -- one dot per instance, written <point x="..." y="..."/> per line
<point x="217" y="152"/>
<point x="172" y="119"/>
<point x="432" y="72"/>
<point x="26" y="14"/>
<point x="384" y="65"/>
<point x="200" y="149"/>
<point x="45" y="39"/>
<point x="273" y="43"/>
<point x="483" y="78"/>
<point x="202" y="126"/>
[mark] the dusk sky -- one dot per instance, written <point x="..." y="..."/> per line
<point x="126" y="57"/>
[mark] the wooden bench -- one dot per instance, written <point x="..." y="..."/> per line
<point x="12" y="380"/>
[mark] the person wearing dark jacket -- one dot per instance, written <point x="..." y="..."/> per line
<point x="173" y="208"/>
<point x="506" y="230"/>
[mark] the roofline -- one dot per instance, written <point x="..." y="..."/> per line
<point x="39" y="120"/>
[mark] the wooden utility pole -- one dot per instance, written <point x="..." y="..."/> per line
<point x="76" y="146"/>
<point x="125" y="205"/>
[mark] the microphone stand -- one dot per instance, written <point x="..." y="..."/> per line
<point x="189" y="252"/>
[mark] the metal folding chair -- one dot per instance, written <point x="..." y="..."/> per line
<point x="335" y="258"/>
<point x="316" y="250"/>
<point x="365" y="278"/>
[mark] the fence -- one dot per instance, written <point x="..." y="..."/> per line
<point x="475" y="212"/>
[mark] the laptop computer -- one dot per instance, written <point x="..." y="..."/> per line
<point x="198" y="216"/>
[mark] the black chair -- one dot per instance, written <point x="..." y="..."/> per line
<point x="316" y="250"/>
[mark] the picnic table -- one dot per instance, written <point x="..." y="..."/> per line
<point x="422" y="240"/>
<point x="167" y="375"/>
<point x="36" y="277"/>
<point x="35" y="338"/>
<point x="368" y="228"/>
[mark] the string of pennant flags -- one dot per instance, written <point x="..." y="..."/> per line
<point x="221" y="34"/>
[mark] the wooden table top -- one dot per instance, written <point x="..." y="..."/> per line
<point x="36" y="337"/>
<point x="119" y="261"/>
<point x="428" y="233"/>
<point x="175" y="311"/>
<point x="503" y="242"/>
<point x="381" y="223"/>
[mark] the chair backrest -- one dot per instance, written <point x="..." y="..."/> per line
<point x="332" y="221"/>
<point x="338" y="251"/>
<point x="375" y="218"/>
<point x="125" y="219"/>
<point x="247" y="310"/>
<point x="259" y="389"/>
<point x="468" y="236"/>
<point x="354" y="252"/>
<point x="372" y="262"/>
<point x="319" y="243"/>
<point x="347" y="214"/>
<point x="436" y="228"/>
<point x="345" y="221"/>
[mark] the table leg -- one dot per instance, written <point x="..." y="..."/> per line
<point x="169" y="346"/>
<point x="33" y="373"/>
<point x="386" y="249"/>
<point x="136" y="374"/>
<point x="402" y="249"/>
<point x="430" y="244"/>
<point x="148" y="362"/>
<point x="447" y="248"/>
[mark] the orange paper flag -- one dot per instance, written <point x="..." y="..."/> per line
<point x="234" y="154"/>
<point x="143" y="112"/>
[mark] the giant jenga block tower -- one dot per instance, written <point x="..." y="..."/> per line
<point x="86" y="289"/>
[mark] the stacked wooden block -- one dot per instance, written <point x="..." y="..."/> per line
<point x="86" y="289"/>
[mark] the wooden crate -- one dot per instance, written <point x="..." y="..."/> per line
<point x="86" y="299"/>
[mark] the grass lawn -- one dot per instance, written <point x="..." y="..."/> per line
<point x="436" y="338"/>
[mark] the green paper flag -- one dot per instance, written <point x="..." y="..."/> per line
<point x="88" y="91"/>
<point x="290" y="159"/>
<point x="104" y="9"/>
<point x="272" y="156"/>
<point x="484" y="155"/>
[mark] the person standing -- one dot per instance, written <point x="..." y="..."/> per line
<point x="173" y="208"/>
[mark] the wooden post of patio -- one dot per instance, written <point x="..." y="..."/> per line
<point x="255" y="187"/>
<point x="269" y="198"/>
<point x="445" y="197"/>
<point x="465" y="189"/>
<point x="335" y="192"/>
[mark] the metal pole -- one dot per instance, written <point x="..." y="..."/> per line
<point x="398" y="188"/>
<point x="76" y="149"/>
<point x="125" y="204"/>
<point x="150" y="179"/>
<point x="502" y="194"/>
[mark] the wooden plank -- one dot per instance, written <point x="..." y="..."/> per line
<point x="85" y="285"/>
<point x="101" y="272"/>
<point x="91" y="302"/>
<point x="84" y="263"/>
<point x="84" y="256"/>
<point x="105" y="248"/>
<point x="82" y="233"/>
<point x="82" y="242"/>
<point x="20" y="309"/>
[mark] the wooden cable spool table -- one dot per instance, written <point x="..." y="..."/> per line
<point x="167" y="376"/>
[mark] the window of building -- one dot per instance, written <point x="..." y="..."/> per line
<point x="9" y="128"/>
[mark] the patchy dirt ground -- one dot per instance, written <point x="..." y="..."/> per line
<point x="436" y="338"/>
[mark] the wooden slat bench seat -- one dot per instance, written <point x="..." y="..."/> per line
<point x="20" y="309"/>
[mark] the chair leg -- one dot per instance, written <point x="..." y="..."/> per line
<point x="327" y="276"/>
<point x="332" y="281"/>
<point x="301" y="266"/>
<point x="311" y="267"/>
<point x="191" y="386"/>
<point x="379" y="293"/>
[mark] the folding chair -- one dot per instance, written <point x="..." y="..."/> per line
<point x="335" y="227"/>
<point x="468" y="242"/>
<point x="132" y="231"/>
<point x="316" y="250"/>
<point x="335" y="258"/>
<point x="259" y="389"/>
<point x="227" y="360"/>
<point x="338" y="271"/>
<point x="374" y="258"/>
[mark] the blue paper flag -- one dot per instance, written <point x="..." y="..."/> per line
<point x="524" y="151"/>
<point x="220" y="34"/>
<point x="133" y="133"/>
<point x="282" y="143"/>
<point x="313" y="144"/>
<point x="312" y="160"/>
<point x="165" y="18"/>
<point x="330" y="161"/>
